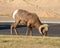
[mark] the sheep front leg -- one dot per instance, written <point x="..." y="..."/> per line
<point x="30" y="31"/>
<point x="13" y="27"/>
<point x="27" y="31"/>
<point x="29" y="28"/>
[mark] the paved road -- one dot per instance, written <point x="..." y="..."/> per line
<point x="6" y="19"/>
<point x="54" y="30"/>
<point x="51" y="20"/>
<point x="43" y="20"/>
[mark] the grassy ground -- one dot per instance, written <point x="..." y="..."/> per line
<point x="18" y="41"/>
<point x="4" y="15"/>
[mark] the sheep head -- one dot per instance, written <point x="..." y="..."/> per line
<point x="43" y="29"/>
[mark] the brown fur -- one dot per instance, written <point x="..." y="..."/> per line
<point x="25" y="17"/>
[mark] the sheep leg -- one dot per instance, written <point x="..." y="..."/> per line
<point x="30" y="31"/>
<point x="13" y="26"/>
<point x="11" y="29"/>
<point x="27" y="31"/>
<point x="15" y="31"/>
<point x="29" y="28"/>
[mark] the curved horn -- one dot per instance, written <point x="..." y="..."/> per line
<point x="45" y="26"/>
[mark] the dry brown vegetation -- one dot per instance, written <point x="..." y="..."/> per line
<point x="18" y="41"/>
<point x="48" y="8"/>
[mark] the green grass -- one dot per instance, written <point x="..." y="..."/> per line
<point x="18" y="41"/>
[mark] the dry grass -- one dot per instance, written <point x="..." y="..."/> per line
<point x="18" y="41"/>
<point x="44" y="9"/>
<point x="4" y="15"/>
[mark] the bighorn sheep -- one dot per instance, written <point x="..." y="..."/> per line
<point x="30" y="19"/>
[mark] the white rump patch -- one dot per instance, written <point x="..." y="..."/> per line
<point x="14" y="13"/>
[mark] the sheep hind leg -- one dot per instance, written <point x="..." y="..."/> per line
<point x="11" y="29"/>
<point x="13" y="26"/>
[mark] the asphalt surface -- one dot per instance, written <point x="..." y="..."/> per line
<point x="5" y="22"/>
<point x="6" y="19"/>
<point x="54" y="30"/>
